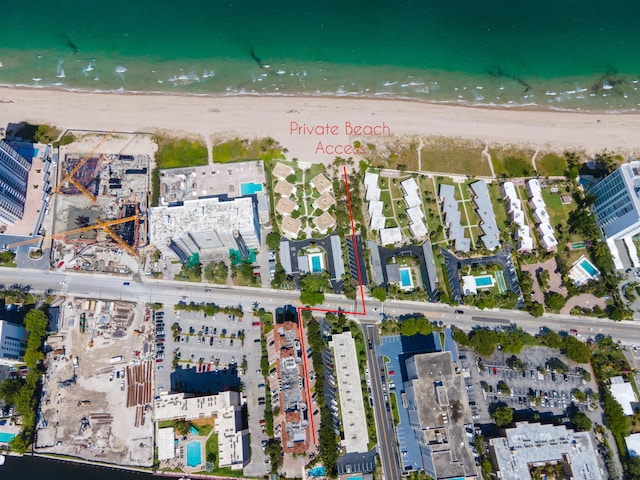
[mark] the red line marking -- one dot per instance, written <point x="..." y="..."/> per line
<point x="300" y="309"/>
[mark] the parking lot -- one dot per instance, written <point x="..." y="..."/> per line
<point x="534" y="388"/>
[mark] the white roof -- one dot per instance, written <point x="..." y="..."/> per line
<point x="370" y="179"/>
<point x="534" y="188"/>
<point x="378" y="222"/>
<point x="633" y="444"/>
<point x="415" y="214"/>
<point x="410" y="185"/>
<point x="509" y="190"/>
<point x="624" y="395"/>
<point x="373" y="193"/>
<point x="166" y="444"/>
<point x="390" y="235"/>
<point x="376" y="207"/>
<point x="546" y="228"/>
<point x="418" y="229"/>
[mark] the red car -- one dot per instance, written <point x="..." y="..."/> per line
<point x="256" y="324"/>
<point x="495" y="371"/>
<point x="573" y="330"/>
<point x="392" y="372"/>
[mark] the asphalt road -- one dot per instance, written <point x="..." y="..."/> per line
<point x="387" y="446"/>
<point x="169" y="292"/>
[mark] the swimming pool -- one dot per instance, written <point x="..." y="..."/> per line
<point x="250" y="188"/>
<point x="316" y="472"/>
<point x="316" y="264"/>
<point x="6" y="437"/>
<point x="194" y="454"/>
<point x="193" y="430"/>
<point x="590" y="269"/>
<point x="27" y="153"/>
<point x="484" y="281"/>
<point x="405" y="278"/>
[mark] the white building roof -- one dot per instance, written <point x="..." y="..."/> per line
<point x="535" y="190"/>
<point x="373" y="193"/>
<point x="376" y="207"/>
<point x="166" y="444"/>
<point x="633" y="444"/>
<point x="378" y="222"/>
<point x="356" y="438"/>
<point x="370" y="179"/>
<point x="415" y="214"/>
<point x="509" y="190"/>
<point x="624" y="395"/>
<point x="390" y="235"/>
<point x="418" y="229"/>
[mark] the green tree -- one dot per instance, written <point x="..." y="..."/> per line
<point x="182" y="426"/>
<point x="633" y="467"/>
<point x="273" y="241"/>
<point x="502" y="415"/>
<point x="576" y="350"/>
<point x="312" y="288"/>
<point x="379" y="293"/>
<point x="554" y="301"/>
<point x="581" y="421"/>
<point x="483" y="341"/>
<point x="415" y="325"/>
<point x="536" y="309"/>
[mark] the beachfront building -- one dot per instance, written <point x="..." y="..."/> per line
<point x="376" y="207"/>
<point x="516" y="215"/>
<point x="210" y="227"/>
<point x="541" y="216"/>
<point x="13" y="342"/>
<point x="531" y="448"/>
<point x="439" y="414"/>
<point x="451" y="213"/>
<point x="14" y="174"/>
<point x="482" y="201"/>
<point x="617" y="210"/>
<point x="413" y="202"/>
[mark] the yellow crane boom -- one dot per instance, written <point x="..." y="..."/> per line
<point x="98" y="226"/>
<point x="117" y="238"/>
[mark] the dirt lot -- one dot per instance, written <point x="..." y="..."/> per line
<point x="84" y="408"/>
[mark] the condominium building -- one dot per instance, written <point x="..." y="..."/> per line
<point x="617" y="205"/>
<point x="13" y="342"/>
<point x="14" y="173"/>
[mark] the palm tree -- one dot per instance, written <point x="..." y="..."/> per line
<point x="600" y="249"/>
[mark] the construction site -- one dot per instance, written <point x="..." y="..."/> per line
<point x="100" y="201"/>
<point x="97" y="395"/>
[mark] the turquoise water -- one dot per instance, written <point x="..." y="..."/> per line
<point x="485" y="281"/>
<point x="405" y="277"/>
<point x="554" y="53"/>
<point x="316" y="266"/>
<point x="317" y="472"/>
<point x="250" y="188"/>
<point x="590" y="269"/>
<point x="194" y="454"/>
<point x="6" y="437"/>
<point x="193" y="430"/>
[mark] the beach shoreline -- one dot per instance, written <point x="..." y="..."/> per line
<point x="250" y="116"/>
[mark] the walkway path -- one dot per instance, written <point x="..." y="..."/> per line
<point x="487" y="156"/>
<point x="533" y="159"/>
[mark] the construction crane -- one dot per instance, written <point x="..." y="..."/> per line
<point x="69" y="176"/>
<point x="99" y="225"/>
<point x="117" y="238"/>
<point x="79" y="186"/>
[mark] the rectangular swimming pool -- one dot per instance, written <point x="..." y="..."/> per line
<point x="250" y="188"/>
<point x="405" y="277"/>
<point x="194" y="454"/>
<point x="590" y="269"/>
<point x="485" y="281"/>
<point x="193" y="430"/>
<point x="316" y="265"/>
<point x="27" y="153"/>
<point x="6" y="437"/>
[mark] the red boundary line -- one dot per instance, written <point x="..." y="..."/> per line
<point x="301" y="309"/>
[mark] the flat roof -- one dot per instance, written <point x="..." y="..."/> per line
<point x="166" y="443"/>
<point x="285" y="206"/>
<point x="534" y="443"/>
<point x="390" y="235"/>
<point x="484" y="208"/>
<point x="180" y="405"/>
<point x="443" y="412"/>
<point x="356" y="438"/>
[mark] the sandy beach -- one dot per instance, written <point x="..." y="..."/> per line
<point x="302" y="123"/>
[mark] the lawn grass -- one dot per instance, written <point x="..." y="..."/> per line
<point x="512" y="161"/>
<point x="396" y="154"/>
<point x="499" y="208"/>
<point x="393" y="401"/>
<point x="180" y="152"/>
<point x="551" y="165"/>
<point x="430" y="205"/>
<point x="558" y="212"/>
<point x="238" y="150"/>
<point x="454" y="155"/>
<point x="212" y="449"/>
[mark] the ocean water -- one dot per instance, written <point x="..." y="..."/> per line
<point x="550" y="53"/>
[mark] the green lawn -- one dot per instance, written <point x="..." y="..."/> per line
<point x="238" y="150"/>
<point x="393" y="401"/>
<point x="512" y="161"/>
<point x="175" y="153"/>
<point x="499" y="207"/>
<point x="551" y="165"/>
<point x="558" y="212"/>
<point x="454" y="155"/>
